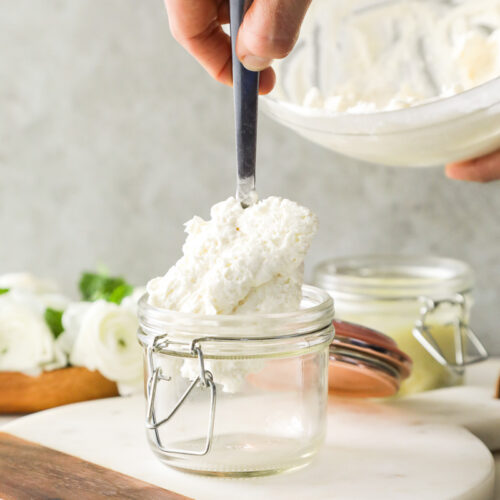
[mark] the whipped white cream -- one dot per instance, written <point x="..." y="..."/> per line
<point x="362" y="56"/>
<point x="241" y="261"/>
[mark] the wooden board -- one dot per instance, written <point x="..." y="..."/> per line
<point x="31" y="471"/>
<point x="21" y="393"/>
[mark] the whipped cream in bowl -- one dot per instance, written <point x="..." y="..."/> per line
<point x="401" y="82"/>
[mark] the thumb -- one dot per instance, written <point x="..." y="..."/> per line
<point x="269" y="31"/>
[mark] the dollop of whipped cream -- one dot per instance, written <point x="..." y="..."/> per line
<point x="240" y="261"/>
<point x="362" y="56"/>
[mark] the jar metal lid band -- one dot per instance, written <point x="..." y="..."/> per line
<point x="422" y="333"/>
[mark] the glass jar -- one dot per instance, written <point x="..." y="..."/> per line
<point x="423" y="303"/>
<point x="237" y="395"/>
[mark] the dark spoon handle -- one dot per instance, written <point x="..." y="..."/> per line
<point x="246" y="91"/>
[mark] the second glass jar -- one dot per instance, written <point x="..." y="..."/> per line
<point x="423" y="303"/>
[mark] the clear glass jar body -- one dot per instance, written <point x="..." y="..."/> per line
<point x="258" y="397"/>
<point x="391" y="293"/>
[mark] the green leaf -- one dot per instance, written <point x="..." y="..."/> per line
<point x="4" y="290"/>
<point x="120" y="292"/>
<point x="95" y="286"/>
<point x="53" y="318"/>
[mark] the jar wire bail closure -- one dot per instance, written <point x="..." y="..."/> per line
<point x="422" y="333"/>
<point x="205" y="379"/>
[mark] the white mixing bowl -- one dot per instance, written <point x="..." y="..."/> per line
<point x="439" y="131"/>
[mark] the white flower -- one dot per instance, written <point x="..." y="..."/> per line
<point x="26" y="342"/>
<point x="39" y="302"/>
<point x="72" y="320"/>
<point x="27" y="282"/>
<point x="103" y="336"/>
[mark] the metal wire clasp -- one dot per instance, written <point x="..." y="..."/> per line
<point x="462" y="331"/>
<point x="204" y="379"/>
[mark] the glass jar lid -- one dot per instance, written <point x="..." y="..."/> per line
<point x="365" y="363"/>
<point x="354" y="375"/>
<point x="393" y="276"/>
<point x="364" y="340"/>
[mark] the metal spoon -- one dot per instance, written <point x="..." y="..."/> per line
<point x="246" y="91"/>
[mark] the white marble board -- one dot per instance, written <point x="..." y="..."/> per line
<point x="365" y="455"/>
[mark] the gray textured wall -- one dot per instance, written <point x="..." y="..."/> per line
<point x="111" y="137"/>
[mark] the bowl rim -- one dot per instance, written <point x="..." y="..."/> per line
<point x="393" y="122"/>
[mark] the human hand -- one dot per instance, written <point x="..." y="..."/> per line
<point x="269" y="31"/>
<point x="484" y="169"/>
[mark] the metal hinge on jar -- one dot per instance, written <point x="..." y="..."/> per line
<point x="204" y="380"/>
<point x="462" y="333"/>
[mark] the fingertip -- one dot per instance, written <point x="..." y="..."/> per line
<point x="462" y="171"/>
<point x="267" y="81"/>
<point x="471" y="171"/>
<point x="269" y="31"/>
<point x="483" y="169"/>
<point x="255" y="63"/>
<point x="452" y="171"/>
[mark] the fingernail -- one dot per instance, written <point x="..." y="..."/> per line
<point x="255" y="63"/>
